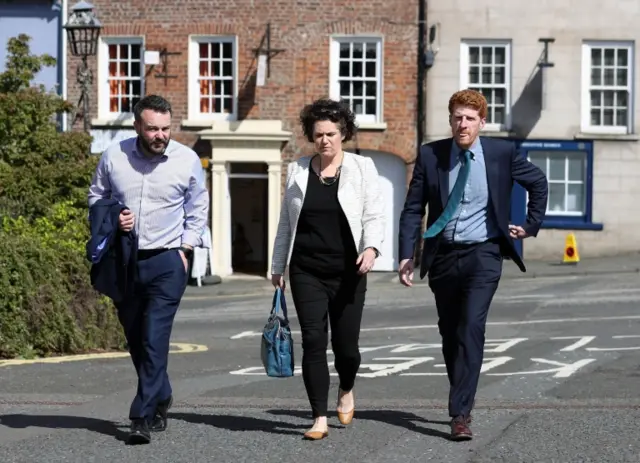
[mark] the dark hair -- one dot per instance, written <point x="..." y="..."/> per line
<point x="326" y="109"/>
<point x="153" y="102"/>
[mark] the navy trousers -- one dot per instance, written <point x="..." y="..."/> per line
<point x="464" y="279"/>
<point x="147" y="319"/>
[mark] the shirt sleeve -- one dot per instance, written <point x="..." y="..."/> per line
<point x="196" y="206"/>
<point x="100" y="184"/>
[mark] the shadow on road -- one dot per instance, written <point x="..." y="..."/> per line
<point x="395" y="418"/>
<point x="108" y="428"/>
<point x="238" y="423"/>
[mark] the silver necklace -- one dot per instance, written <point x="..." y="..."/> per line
<point x="324" y="180"/>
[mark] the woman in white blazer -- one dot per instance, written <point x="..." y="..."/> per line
<point x="330" y="231"/>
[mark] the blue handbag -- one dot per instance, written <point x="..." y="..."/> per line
<point x="276" y="347"/>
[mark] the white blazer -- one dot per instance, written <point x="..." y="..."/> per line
<point x="359" y="195"/>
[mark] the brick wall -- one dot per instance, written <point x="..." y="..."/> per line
<point x="298" y="75"/>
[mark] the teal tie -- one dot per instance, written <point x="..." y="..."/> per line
<point x="454" y="198"/>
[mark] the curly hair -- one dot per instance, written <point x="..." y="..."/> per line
<point x="326" y="109"/>
<point x="470" y="98"/>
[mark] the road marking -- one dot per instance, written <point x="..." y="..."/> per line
<point x="564" y="370"/>
<point x="177" y="348"/>
<point x="250" y="334"/>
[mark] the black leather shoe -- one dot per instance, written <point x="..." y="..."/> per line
<point x="159" y="422"/>
<point x="139" y="433"/>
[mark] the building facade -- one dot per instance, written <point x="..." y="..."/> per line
<point x="41" y="21"/>
<point x="238" y="74"/>
<point x="571" y="105"/>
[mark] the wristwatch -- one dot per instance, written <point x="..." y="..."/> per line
<point x="187" y="251"/>
<point x="375" y="251"/>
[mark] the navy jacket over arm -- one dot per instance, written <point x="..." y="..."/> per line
<point x="430" y="186"/>
<point x="113" y="254"/>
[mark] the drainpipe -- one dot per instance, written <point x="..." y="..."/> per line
<point x="422" y="73"/>
<point x="63" y="59"/>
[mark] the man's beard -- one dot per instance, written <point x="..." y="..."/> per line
<point x="154" y="149"/>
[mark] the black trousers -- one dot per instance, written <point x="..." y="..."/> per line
<point x="147" y="319"/>
<point x="464" y="279"/>
<point x="340" y="299"/>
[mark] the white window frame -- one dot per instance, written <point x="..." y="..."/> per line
<point x="103" y="74"/>
<point x="465" y="84"/>
<point x="586" y="126"/>
<point x="334" y="70"/>
<point x="566" y="182"/>
<point x="194" y="72"/>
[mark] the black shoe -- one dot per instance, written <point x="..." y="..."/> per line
<point x="139" y="433"/>
<point x="159" y="422"/>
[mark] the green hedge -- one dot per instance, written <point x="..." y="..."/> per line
<point x="48" y="305"/>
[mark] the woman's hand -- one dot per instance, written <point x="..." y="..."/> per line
<point x="277" y="281"/>
<point x="365" y="261"/>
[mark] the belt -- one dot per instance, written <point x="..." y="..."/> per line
<point x="147" y="253"/>
<point x="445" y="246"/>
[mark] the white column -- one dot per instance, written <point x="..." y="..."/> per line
<point x="274" y="203"/>
<point x="220" y="219"/>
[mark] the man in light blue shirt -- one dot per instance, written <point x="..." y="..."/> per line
<point x="162" y="186"/>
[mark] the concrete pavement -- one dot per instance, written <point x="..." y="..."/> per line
<point x="559" y="383"/>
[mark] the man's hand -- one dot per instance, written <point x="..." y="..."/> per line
<point x="277" y="281"/>
<point x="185" y="261"/>
<point x="517" y="232"/>
<point x="365" y="261"/>
<point x="405" y="272"/>
<point x="126" y="220"/>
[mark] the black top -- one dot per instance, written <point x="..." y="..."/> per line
<point x="323" y="242"/>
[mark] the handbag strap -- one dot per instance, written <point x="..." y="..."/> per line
<point x="280" y="303"/>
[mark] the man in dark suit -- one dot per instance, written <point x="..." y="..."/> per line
<point x="466" y="181"/>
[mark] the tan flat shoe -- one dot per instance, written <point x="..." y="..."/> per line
<point x="316" y="435"/>
<point x="345" y="418"/>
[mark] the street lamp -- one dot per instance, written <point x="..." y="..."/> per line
<point x="83" y="30"/>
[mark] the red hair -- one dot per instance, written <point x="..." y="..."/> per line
<point x="472" y="99"/>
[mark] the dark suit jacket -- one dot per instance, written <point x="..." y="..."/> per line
<point x="113" y="254"/>
<point x="430" y="185"/>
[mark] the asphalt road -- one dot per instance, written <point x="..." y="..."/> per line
<point x="560" y="383"/>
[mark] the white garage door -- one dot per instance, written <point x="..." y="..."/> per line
<point x="393" y="178"/>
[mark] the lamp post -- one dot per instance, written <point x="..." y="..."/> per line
<point x="83" y="31"/>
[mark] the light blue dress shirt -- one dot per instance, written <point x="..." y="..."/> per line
<point x="473" y="221"/>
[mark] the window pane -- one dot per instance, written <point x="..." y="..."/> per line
<point x="474" y="55"/>
<point x="623" y="59"/>
<point x="357" y="69"/>
<point x="500" y="55"/>
<point x="499" y="115"/>
<point x="135" y="69"/>
<point x="371" y="51"/>
<point x="576" y="167"/>
<point x="486" y="74"/>
<point x="474" y="75"/>
<point x="486" y="55"/>
<point x="621" y="117"/>
<point x="596" y="76"/>
<point x="596" y="117"/>
<point x="596" y="98"/>
<point x="370" y="88"/>
<point x="357" y="51"/>
<point x="556" y="197"/>
<point x="228" y="105"/>
<point x="608" y="76"/>
<point x="608" y="117"/>
<point x="575" y="198"/>
<point x="358" y="107"/>
<point x="135" y="51"/>
<point x="344" y="69"/>
<point x="227" y="50"/>
<point x="499" y="75"/>
<point x="609" y="54"/>
<point x="556" y="168"/>
<point x="370" y="106"/>
<point x="370" y="70"/>
<point x="344" y="50"/>
<point x="500" y="94"/>
<point x="596" y="56"/>
<point x="608" y="98"/>
<point x="621" y="77"/>
<point x="227" y="69"/>
<point x="345" y="89"/>
<point x="357" y="88"/>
